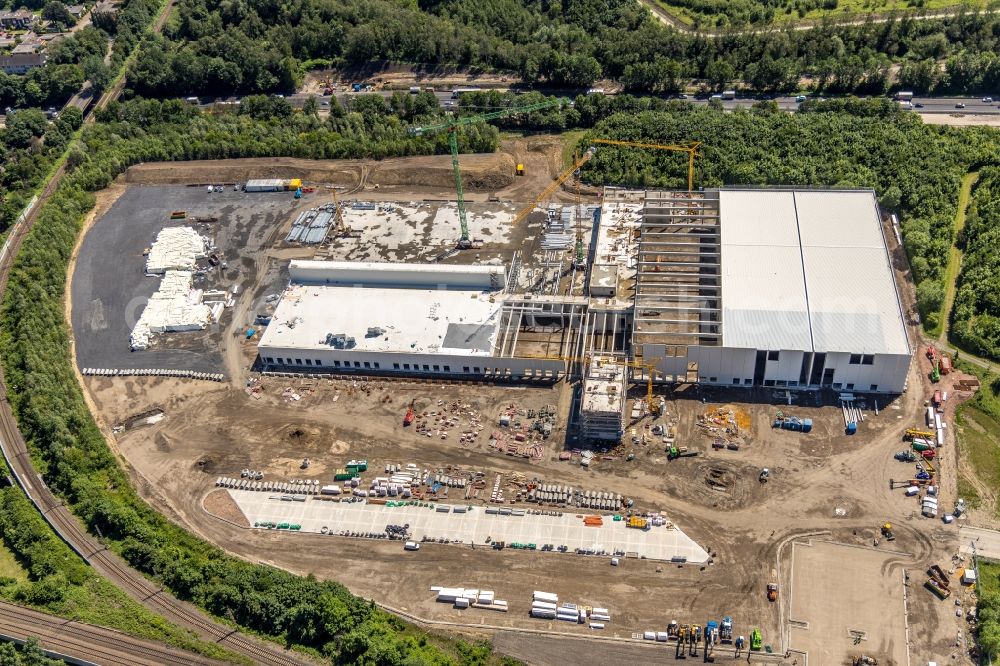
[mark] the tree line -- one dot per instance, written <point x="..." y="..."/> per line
<point x="59" y="582"/>
<point x="220" y="49"/>
<point x="77" y="463"/>
<point x="975" y="322"/>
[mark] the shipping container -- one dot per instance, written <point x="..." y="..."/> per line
<point x="649" y="635"/>
<point x="461" y="602"/>
<point x="266" y="185"/>
<point x="545" y="596"/>
<point x="330" y="490"/>
<point x="543" y="614"/>
<point x="545" y="605"/>
<point x="939" y="437"/>
<point x="596" y="625"/>
<point x="930" y="417"/>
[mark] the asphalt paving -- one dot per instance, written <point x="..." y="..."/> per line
<point x="110" y="287"/>
<point x="972" y="105"/>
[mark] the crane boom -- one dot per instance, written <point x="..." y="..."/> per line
<point x="452" y="126"/>
<point x="691" y="149"/>
<point x="552" y="187"/>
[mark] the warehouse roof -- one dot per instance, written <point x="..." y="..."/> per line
<point x="437" y="312"/>
<point x="808" y="270"/>
<point x="763" y="288"/>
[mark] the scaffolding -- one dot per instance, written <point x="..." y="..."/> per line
<point x="678" y="284"/>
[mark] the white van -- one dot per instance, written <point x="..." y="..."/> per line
<point x="411" y="545"/>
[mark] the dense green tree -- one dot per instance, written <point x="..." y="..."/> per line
<point x="215" y="49"/>
<point x="22" y="126"/>
<point x="58" y="14"/>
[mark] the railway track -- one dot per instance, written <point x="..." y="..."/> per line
<point x="89" y="643"/>
<point x="69" y="529"/>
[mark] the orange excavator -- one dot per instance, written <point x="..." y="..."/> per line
<point x="410" y="414"/>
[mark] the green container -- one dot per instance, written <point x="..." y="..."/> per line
<point x="920" y="446"/>
<point x="283" y="526"/>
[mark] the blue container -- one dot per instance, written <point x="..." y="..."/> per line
<point x="852" y="428"/>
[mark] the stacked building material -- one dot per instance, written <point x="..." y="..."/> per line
<point x="175" y="306"/>
<point x="175" y="248"/>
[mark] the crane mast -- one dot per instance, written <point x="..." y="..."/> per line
<point x="465" y="240"/>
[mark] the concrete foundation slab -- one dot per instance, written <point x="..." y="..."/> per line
<point x="563" y="529"/>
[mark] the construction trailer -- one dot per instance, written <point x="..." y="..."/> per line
<point x="273" y="185"/>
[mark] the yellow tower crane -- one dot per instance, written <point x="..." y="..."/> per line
<point x="552" y="187"/>
<point x="691" y="149"/>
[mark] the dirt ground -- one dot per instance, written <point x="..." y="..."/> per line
<point x="823" y="484"/>
<point x="961" y="119"/>
<point x="397" y="77"/>
<point x="493" y="171"/>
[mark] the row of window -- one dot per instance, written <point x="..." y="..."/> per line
<point x="856" y="359"/>
<point x="784" y="383"/>
<point x="836" y="385"/>
<point x="403" y="367"/>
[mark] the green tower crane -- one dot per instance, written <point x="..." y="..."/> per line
<point x="465" y="242"/>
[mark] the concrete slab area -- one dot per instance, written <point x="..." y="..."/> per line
<point x="846" y="601"/>
<point x="979" y="541"/>
<point x="657" y="543"/>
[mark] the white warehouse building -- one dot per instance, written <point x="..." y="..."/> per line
<point x="377" y="318"/>
<point x="777" y="288"/>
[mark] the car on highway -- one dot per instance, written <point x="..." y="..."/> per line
<point x="919" y="105"/>
<point x="960" y="105"/>
<point x="799" y="99"/>
<point x="987" y="100"/>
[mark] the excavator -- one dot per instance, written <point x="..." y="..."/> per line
<point x="887" y="532"/>
<point x="772" y="591"/>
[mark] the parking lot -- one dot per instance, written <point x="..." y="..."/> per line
<point x="473" y="526"/>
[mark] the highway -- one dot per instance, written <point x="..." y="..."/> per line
<point x="947" y="105"/>
<point x="79" y="643"/>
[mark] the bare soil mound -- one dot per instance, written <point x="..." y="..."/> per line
<point x="489" y="171"/>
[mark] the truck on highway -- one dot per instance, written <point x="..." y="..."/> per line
<point x="904" y="96"/>
<point x="728" y="94"/>
<point x="457" y="92"/>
